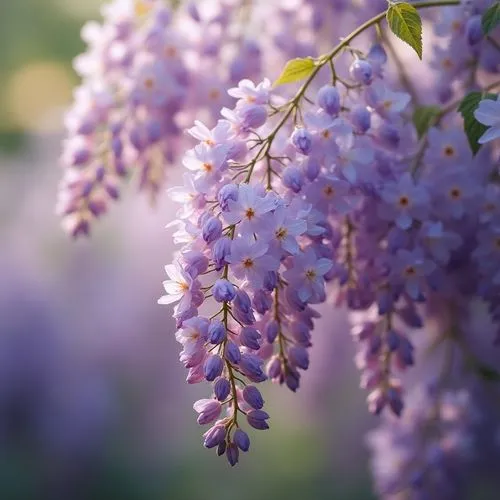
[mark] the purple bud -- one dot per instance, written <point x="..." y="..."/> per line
<point x="223" y="290"/>
<point x="222" y="388"/>
<point x="361" y="72"/>
<point x="253" y="116"/>
<point x="212" y="229"/>
<point x="208" y="409"/>
<point x="249" y="337"/>
<point x="251" y="366"/>
<point x="214" y="436"/>
<point x="232" y="454"/>
<point x="257" y="419"/>
<point x="221" y="449"/>
<point x="80" y="157"/>
<point x="328" y="98"/>
<point x="196" y="263"/>
<point x="213" y="367"/>
<point x="117" y="146"/>
<point x="241" y="440"/>
<point x="299" y="357"/>
<point x="302" y="140"/>
<point x="193" y="11"/>
<point x="389" y="135"/>
<point x="271" y="331"/>
<point x="274" y="368"/>
<point x="270" y="281"/>
<point x="292" y="379"/>
<point x="361" y="119"/>
<point x="293" y="178"/>
<point x="395" y="401"/>
<point x="312" y="168"/>
<point x="262" y="301"/>
<point x="474" y="30"/>
<point x="253" y="397"/>
<point x="377" y="54"/>
<point x="392" y="340"/>
<point x="220" y="250"/>
<point x="100" y="173"/>
<point x="232" y="353"/>
<point x="216" y="332"/>
<point x="242" y="301"/>
<point x="226" y="193"/>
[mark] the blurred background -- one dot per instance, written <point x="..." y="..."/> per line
<point x="93" y="402"/>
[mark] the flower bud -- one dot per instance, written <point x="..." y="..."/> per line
<point x="241" y="440"/>
<point x="253" y="397"/>
<point x="213" y="367"/>
<point x="216" y="332"/>
<point x="328" y="98"/>
<point x="361" y="72"/>
<point x="222" y="388"/>
<point x="223" y="290"/>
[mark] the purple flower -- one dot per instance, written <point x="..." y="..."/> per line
<point x="410" y="270"/>
<point x="241" y="440"/>
<point x="488" y="113"/>
<point x="328" y="98"/>
<point x="213" y="367"/>
<point x="208" y="409"/>
<point x="249" y="260"/>
<point x="302" y="140"/>
<point x="307" y="275"/>
<point x="404" y="201"/>
<point x="253" y="397"/>
<point x="222" y="388"/>
<point x="214" y="436"/>
<point x="257" y="419"/>
<point x="250" y="207"/>
<point x="249" y="337"/>
<point x="223" y="290"/>
<point x="361" y="72"/>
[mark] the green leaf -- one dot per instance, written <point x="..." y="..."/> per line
<point x="491" y="18"/>
<point x="424" y="117"/>
<point x="295" y="70"/>
<point x="473" y="129"/>
<point x="405" y="22"/>
<point x="488" y="373"/>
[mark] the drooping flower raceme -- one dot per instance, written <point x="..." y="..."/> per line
<point x="290" y="200"/>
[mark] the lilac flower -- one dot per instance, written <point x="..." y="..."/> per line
<point x="282" y="230"/>
<point x="251" y="207"/>
<point x="249" y="260"/>
<point x="223" y="290"/>
<point x="439" y="242"/>
<point x="307" y="275"/>
<point x="403" y="202"/>
<point x="179" y="287"/>
<point x="411" y="269"/>
<point x="208" y="409"/>
<point x="251" y="93"/>
<point x="488" y="113"/>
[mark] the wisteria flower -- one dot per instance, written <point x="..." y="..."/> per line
<point x="488" y="113"/>
<point x="307" y="275"/>
<point x="404" y="202"/>
<point x="248" y="92"/>
<point x="410" y="270"/>
<point x="179" y="287"/>
<point x="281" y="229"/>
<point x="249" y="260"/>
<point x="250" y="208"/>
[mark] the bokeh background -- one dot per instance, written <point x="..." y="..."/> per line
<point x="93" y="402"/>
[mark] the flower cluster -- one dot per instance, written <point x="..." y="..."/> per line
<point x="423" y="454"/>
<point x="288" y="193"/>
